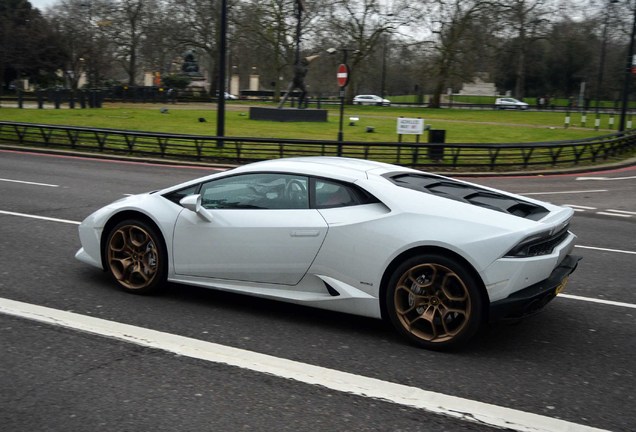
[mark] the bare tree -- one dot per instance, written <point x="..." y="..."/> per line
<point x="459" y="26"/>
<point x="83" y="41"/>
<point x="265" y="35"/>
<point x="128" y="25"/>
<point x="358" y="28"/>
<point x="528" y="20"/>
<point x="196" y="25"/>
<point x="160" y="49"/>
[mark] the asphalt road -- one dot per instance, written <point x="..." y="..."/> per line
<point x="575" y="361"/>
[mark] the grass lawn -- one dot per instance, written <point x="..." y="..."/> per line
<point x="462" y="126"/>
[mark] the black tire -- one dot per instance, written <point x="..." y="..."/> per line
<point x="434" y="302"/>
<point x="135" y="257"/>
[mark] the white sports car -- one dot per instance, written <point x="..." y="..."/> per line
<point x="436" y="256"/>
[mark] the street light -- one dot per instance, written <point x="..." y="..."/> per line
<point x="220" y="113"/>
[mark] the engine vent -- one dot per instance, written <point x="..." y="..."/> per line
<point x="470" y="194"/>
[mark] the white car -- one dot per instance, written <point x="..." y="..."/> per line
<point x="510" y="103"/>
<point x="437" y="257"/>
<point x="229" y="96"/>
<point x="371" y="100"/>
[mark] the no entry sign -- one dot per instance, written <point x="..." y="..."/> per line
<point x="343" y="75"/>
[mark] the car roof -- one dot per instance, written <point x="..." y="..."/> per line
<point x="324" y="166"/>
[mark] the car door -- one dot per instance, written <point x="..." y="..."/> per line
<point x="261" y="229"/>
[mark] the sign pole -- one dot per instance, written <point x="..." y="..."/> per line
<point x="343" y="79"/>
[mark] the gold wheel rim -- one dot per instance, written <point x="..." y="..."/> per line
<point x="132" y="257"/>
<point x="432" y="302"/>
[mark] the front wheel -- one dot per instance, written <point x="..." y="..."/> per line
<point x="434" y="302"/>
<point x="135" y="257"/>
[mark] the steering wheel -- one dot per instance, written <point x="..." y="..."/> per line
<point x="295" y="191"/>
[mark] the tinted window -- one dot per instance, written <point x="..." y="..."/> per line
<point x="330" y="194"/>
<point x="256" y="191"/>
<point x="176" y="196"/>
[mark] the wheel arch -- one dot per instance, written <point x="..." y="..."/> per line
<point x="388" y="272"/>
<point x="122" y="216"/>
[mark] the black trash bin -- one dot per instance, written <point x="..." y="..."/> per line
<point x="436" y="136"/>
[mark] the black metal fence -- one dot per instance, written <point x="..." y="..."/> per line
<point x="236" y="150"/>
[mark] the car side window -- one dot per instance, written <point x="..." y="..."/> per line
<point x="176" y="196"/>
<point x="256" y="191"/>
<point x="330" y="194"/>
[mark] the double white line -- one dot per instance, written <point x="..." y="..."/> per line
<point x="606" y="212"/>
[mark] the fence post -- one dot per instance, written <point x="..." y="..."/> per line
<point x="597" y="121"/>
<point x="567" y="120"/>
<point x="583" y="119"/>
<point x="611" y="121"/>
<point x="57" y="99"/>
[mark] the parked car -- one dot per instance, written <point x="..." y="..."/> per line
<point x="435" y="256"/>
<point x="229" y="96"/>
<point x="371" y="100"/>
<point x="510" y="103"/>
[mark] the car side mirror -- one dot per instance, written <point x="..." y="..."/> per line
<point x="193" y="203"/>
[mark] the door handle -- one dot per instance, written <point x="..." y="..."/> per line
<point x="305" y="233"/>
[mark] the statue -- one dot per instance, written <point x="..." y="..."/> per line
<point x="301" y="66"/>
<point x="298" y="82"/>
<point x="190" y="65"/>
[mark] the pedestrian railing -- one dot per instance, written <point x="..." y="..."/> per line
<point x="236" y="150"/>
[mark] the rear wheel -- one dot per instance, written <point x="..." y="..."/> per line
<point x="135" y="257"/>
<point x="434" y="302"/>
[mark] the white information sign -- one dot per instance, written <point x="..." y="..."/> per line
<point x="412" y="126"/>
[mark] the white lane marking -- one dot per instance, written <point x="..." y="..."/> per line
<point x="606" y="178"/>
<point x="608" y="212"/>
<point x="50" y="219"/>
<point x="438" y="403"/>
<point x="622" y="211"/>
<point x="28" y="182"/>
<point x="564" y="192"/>
<point x="595" y="300"/>
<point x="606" y="250"/>
<point x="575" y="206"/>
<point x="613" y="214"/>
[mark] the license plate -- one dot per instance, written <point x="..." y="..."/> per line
<point x="561" y="286"/>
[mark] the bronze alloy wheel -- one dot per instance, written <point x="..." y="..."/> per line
<point x="434" y="302"/>
<point x="134" y="256"/>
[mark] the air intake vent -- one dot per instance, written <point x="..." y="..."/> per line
<point x="331" y="290"/>
<point x="470" y="194"/>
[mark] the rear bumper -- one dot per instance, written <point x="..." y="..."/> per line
<point x="532" y="299"/>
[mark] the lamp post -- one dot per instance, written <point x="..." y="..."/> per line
<point x="629" y="70"/>
<point x="601" y="64"/>
<point x="220" y="113"/>
<point x="383" y="74"/>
